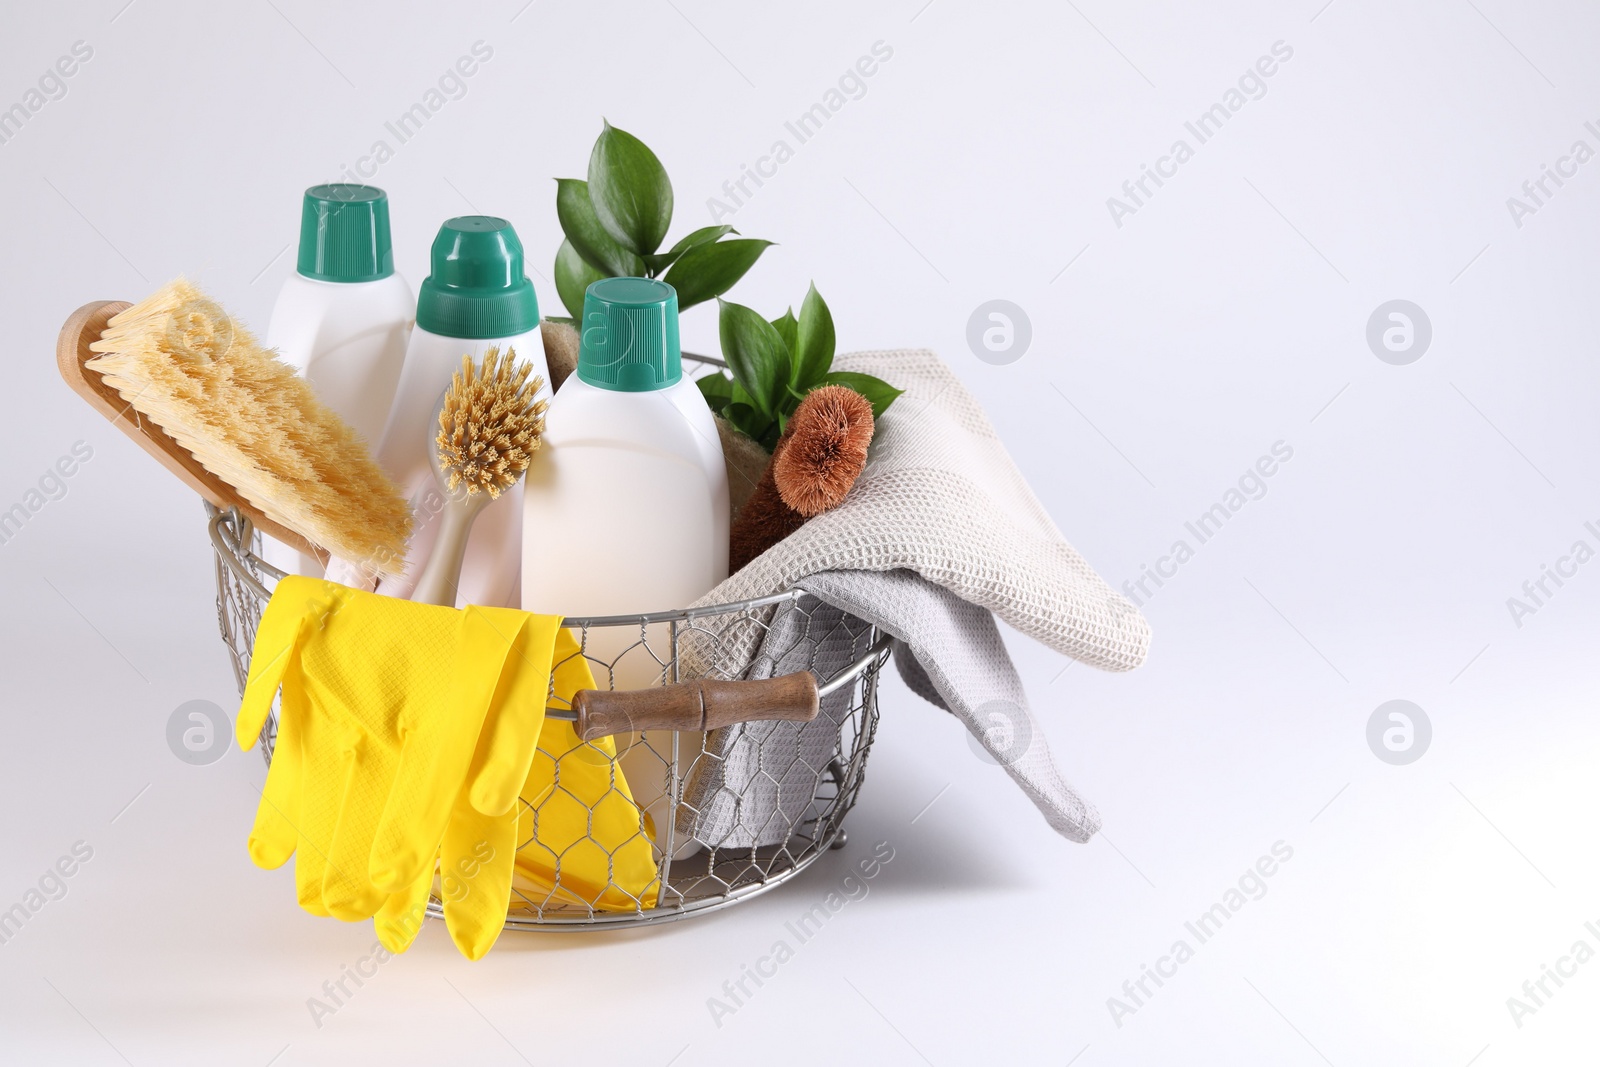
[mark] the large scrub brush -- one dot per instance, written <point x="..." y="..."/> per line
<point x="192" y="387"/>
<point x="489" y="427"/>
<point x="821" y="453"/>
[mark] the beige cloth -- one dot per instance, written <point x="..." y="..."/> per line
<point x="940" y="496"/>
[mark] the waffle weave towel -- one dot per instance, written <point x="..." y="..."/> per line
<point x="941" y="497"/>
<point x="953" y="533"/>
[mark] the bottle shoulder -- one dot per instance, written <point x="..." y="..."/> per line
<point x="664" y="417"/>
<point x="529" y="345"/>
<point x="309" y="312"/>
<point x="388" y="293"/>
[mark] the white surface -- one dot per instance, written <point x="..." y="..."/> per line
<point x="1227" y="314"/>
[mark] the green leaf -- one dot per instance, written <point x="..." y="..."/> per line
<point x="755" y="354"/>
<point x="880" y="392"/>
<point x="709" y="270"/>
<point x="629" y="187"/>
<point x="786" y="328"/>
<point x="748" y="421"/>
<point x="704" y="235"/>
<point x="588" y="238"/>
<point x="717" y="389"/>
<point x="574" y="274"/>
<point x="813" y="351"/>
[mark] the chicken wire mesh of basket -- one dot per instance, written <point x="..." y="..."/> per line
<point x="722" y="816"/>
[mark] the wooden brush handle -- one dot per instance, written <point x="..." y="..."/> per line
<point x="82" y="328"/>
<point x="699" y="705"/>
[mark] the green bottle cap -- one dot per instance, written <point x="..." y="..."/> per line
<point x="630" y="335"/>
<point x="477" y="289"/>
<point x="344" y="234"/>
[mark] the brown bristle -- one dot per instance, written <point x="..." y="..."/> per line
<point x="490" y="424"/>
<point x="828" y="436"/>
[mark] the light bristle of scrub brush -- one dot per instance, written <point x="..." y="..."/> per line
<point x="182" y="362"/>
<point x="490" y="424"/>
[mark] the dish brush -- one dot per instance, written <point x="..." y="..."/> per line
<point x="489" y="428"/>
<point x="192" y="387"/>
<point x="821" y="453"/>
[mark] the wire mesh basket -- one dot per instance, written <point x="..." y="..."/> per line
<point x="726" y="815"/>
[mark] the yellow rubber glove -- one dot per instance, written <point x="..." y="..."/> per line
<point x="502" y="675"/>
<point x="586" y="840"/>
<point x="474" y="884"/>
<point x="475" y="864"/>
<point x="479" y="861"/>
<point x="383" y="706"/>
<point x="480" y="843"/>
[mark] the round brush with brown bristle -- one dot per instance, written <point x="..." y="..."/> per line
<point x="822" y="452"/>
<point x="489" y="428"/>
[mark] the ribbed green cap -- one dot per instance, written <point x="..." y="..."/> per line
<point x="477" y="289"/>
<point x="630" y="335"/>
<point x="344" y="234"/>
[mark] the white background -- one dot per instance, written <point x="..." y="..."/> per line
<point x="1227" y="314"/>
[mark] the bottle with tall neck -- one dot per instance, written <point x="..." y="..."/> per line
<point x="475" y="297"/>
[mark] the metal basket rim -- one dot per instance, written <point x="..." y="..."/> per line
<point x="232" y="552"/>
<point x="230" y="533"/>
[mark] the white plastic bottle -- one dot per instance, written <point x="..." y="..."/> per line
<point x="341" y="319"/>
<point x="476" y="297"/>
<point x="626" y="505"/>
<point x="625" y="508"/>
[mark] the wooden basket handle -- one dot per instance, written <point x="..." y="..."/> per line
<point x="703" y="704"/>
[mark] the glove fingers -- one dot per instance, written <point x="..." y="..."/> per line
<point x="516" y="711"/>
<point x="400" y="918"/>
<point x="347" y="889"/>
<point x="437" y="754"/>
<point x="413" y="820"/>
<point x="475" y="865"/>
<point x="278" y="637"/>
<point x="276" y="831"/>
<point x="321" y="793"/>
